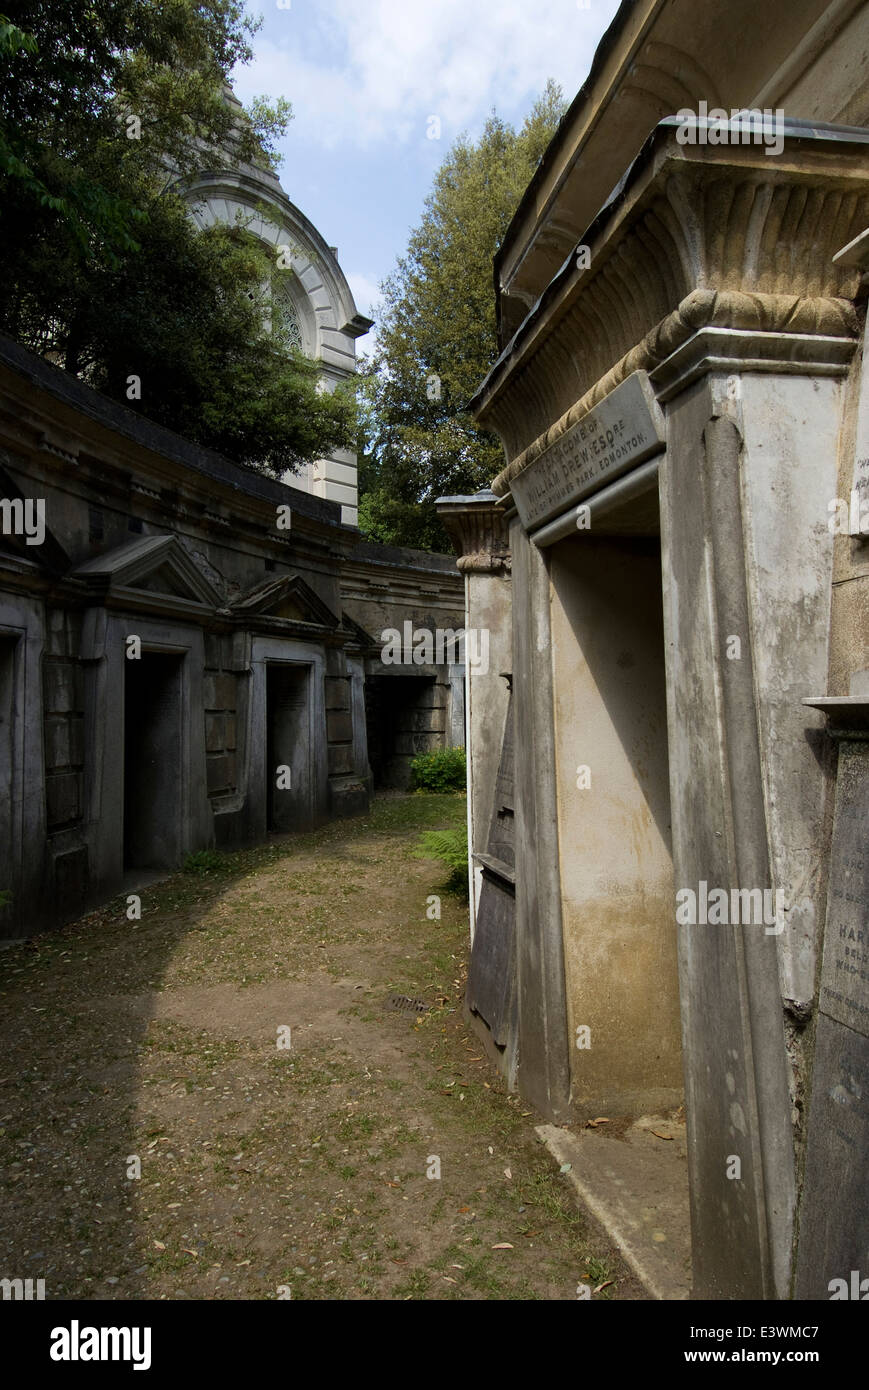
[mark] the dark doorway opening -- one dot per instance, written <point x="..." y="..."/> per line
<point x="402" y="720"/>
<point x="152" y="761"/>
<point x="9" y="803"/>
<point x="288" y="746"/>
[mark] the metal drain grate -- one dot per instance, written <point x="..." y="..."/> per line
<point x="403" y="1003"/>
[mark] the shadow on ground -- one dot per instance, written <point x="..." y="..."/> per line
<point x="272" y="1171"/>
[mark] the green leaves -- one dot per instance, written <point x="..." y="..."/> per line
<point x="105" y="107"/>
<point x="438" y="335"/>
<point x="13" y="40"/>
<point x="451" y="848"/>
<point x="185" y="314"/>
<point x="443" y="770"/>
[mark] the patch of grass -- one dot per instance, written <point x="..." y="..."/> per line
<point x="414" y="1287"/>
<point x="479" y="1275"/>
<point x="547" y="1192"/>
<point x="359" y="1126"/>
<point x="206" y="861"/>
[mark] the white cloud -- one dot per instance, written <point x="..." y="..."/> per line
<point x="366" y="293"/>
<point x="365" y="72"/>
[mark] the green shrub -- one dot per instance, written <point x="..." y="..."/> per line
<point x="206" y="861"/>
<point x="441" y="771"/>
<point x="5" y="896"/>
<point x="451" y="848"/>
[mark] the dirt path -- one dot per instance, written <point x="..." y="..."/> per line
<point x="269" y="1171"/>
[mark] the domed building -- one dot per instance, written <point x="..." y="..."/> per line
<point x="312" y="305"/>
<point x="194" y="654"/>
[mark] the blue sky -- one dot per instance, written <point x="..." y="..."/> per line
<point x="365" y="76"/>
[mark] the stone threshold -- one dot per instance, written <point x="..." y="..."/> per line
<point x="636" y="1188"/>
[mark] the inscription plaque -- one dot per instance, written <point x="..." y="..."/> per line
<point x="834" y="1220"/>
<point x="617" y="435"/>
<point x="845" y="968"/>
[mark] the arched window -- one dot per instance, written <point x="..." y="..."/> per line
<point x="286" y="325"/>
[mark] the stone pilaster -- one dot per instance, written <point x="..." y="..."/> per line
<point x="480" y="534"/>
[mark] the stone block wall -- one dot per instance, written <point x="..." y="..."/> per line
<point x="63" y="740"/>
<point x="406" y="715"/>
<point x="348" y="791"/>
<point x="63" y="715"/>
<point x="220" y="701"/>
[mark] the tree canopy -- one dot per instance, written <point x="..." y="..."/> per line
<point x="106" y="108"/>
<point x="437" y="335"/>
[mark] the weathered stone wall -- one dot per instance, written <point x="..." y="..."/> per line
<point x="220" y="699"/>
<point x="148" y="538"/>
<point x="715" y="280"/>
<point x="412" y="708"/>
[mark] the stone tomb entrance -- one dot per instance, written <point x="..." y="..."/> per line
<point x="8" y="799"/>
<point x="152" y="760"/>
<point x="613" y="792"/>
<point x="7" y="747"/>
<point x="285" y="727"/>
<point x="403" y="718"/>
<point x="288" y="747"/>
<point x="612" y="770"/>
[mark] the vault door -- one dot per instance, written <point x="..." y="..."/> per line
<point x="402" y="718"/>
<point x="288" y="748"/>
<point x="492" y="975"/>
<point x="152" y="761"/>
<point x="8" y="801"/>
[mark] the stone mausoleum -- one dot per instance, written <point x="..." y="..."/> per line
<point x="175" y="628"/>
<point x="669" y="755"/>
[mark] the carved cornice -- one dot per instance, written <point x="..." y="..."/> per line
<point x="669" y="78"/>
<point x="829" y="324"/>
<point x="701" y="237"/>
<point x="479" y="532"/>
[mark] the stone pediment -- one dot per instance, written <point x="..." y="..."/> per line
<point x="360" y="638"/>
<point x="155" y="568"/>
<point x="288" y="598"/>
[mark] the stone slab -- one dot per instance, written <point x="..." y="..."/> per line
<point x="637" y="1189"/>
<point x="624" y="430"/>
<point x="834" y="1226"/>
<point x="860" y="481"/>
<point x="492" y="972"/>
<point x="845" y="970"/>
<point x="834" y="1230"/>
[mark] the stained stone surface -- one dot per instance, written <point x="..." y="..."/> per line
<point x="834" y="1230"/>
<point x="845" y="969"/>
<point x="860" y="481"/>
<point x="492" y="974"/>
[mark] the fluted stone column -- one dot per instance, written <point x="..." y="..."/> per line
<point x="479" y="532"/>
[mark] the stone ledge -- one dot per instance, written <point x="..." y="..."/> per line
<point x="637" y="1189"/>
